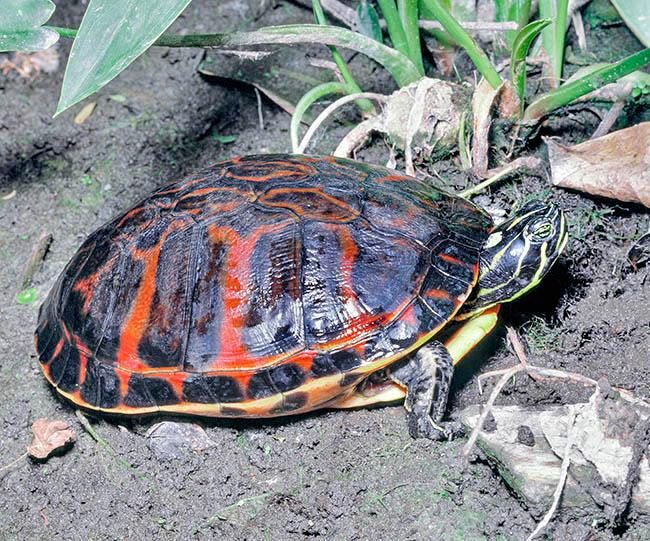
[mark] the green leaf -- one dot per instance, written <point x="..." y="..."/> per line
<point x="111" y="36"/>
<point x="553" y="36"/>
<point x="520" y="46"/>
<point x="635" y="15"/>
<point x="26" y="296"/>
<point x="594" y="79"/>
<point x="514" y="10"/>
<point x="20" y="25"/>
<point x="368" y="21"/>
<point x="224" y="139"/>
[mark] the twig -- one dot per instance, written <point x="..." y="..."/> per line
<point x="93" y="433"/>
<point x="488" y="407"/>
<point x="609" y="119"/>
<point x="7" y="466"/>
<point x="35" y="260"/>
<point x="331" y="108"/>
<point x="260" y="116"/>
<point x="517" y="346"/>
<point x="566" y="462"/>
<point x="481" y="186"/>
<point x="535" y="372"/>
<point x="579" y="27"/>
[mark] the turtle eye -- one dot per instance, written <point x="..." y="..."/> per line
<point x="541" y="230"/>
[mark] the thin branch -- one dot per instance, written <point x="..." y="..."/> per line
<point x="488" y="407"/>
<point x="331" y="108"/>
<point x="7" y="466"/>
<point x="566" y="462"/>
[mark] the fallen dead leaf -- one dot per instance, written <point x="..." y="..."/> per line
<point x="615" y="165"/>
<point x="484" y="99"/>
<point x="48" y="437"/>
<point x="85" y="112"/>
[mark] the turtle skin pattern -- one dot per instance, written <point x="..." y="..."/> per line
<point x="260" y="286"/>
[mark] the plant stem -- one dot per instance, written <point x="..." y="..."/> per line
<point x="353" y="88"/>
<point x="480" y="59"/>
<point x="520" y="46"/>
<point x="394" y="26"/>
<point x="401" y="68"/>
<point x="307" y="99"/>
<point x="408" y="11"/>
<point x="65" y="32"/>
<point x="558" y="42"/>
<point x="481" y="186"/>
<point x="570" y="91"/>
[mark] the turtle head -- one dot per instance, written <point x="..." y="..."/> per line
<point x="517" y="255"/>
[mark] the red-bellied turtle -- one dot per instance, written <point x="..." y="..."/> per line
<point x="276" y="284"/>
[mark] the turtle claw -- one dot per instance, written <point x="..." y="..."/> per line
<point x="426" y="376"/>
<point x="424" y="427"/>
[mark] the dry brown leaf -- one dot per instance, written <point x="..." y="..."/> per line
<point x="616" y="165"/>
<point x="85" y="112"/>
<point x="48" y="437"/>
<point x="484" y="99"/>
<point x="508" y="103"/>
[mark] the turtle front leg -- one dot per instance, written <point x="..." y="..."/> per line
<point x="427" y="377"/>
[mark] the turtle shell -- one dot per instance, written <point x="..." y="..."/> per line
<point x="262" y="285"/>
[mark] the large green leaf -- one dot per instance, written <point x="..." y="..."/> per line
<point x="635" y="14"/>
<point x="111" y="36"/>
<point x="20" y="25"/>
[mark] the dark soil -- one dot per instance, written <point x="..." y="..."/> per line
<point x="335" y="474"/>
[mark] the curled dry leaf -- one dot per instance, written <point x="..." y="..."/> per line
<point x="484" y="99"/>
<point x="48" y="437"/>
<point x="616" y="165"/>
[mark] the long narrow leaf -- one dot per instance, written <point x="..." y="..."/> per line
<point x="553" y="36"/>
<point x="394" y="26"/>
<point x="522" y="42"/>
<point x="573" y="90"/>
<point x="408" y="11"/>
<point x="20" y="25"/>
<point x="400" y="67"/>
<point x="451" y="25"/>
<point x="111" y="36"/>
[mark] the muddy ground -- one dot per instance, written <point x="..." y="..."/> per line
<point x="333" y="474"/>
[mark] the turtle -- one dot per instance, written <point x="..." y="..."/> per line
<point x="271" y="285"/>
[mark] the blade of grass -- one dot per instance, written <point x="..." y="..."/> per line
<point x="570" y="91"/>
<point x="368" y="21"/>
<point x="517" y="11"/>
<point x="553" y="36"/>
<point x="394" y="26"/>
<point x="303" y="104"/>
<point x="408" y="11"/>
<point x="399" y="65"/>
<point x="480" y="59"/>
<point x="352" y="86"/>
<point x="559" y="31"/>
<point x="520" y="46"/>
